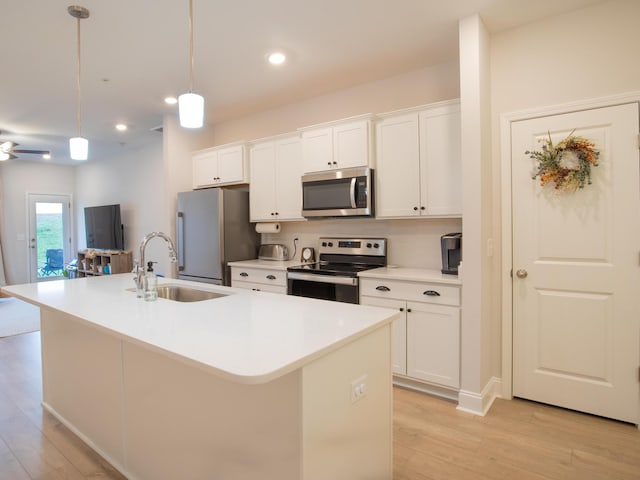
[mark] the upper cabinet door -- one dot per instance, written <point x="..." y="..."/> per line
<point x="317" y="150"/>
<point x="288" y="189"/>
<point x="262" y="187"/>
<point x="398" y="167"/>
<point x="275" y="189"/>
<point x="205" y="168"/>
<point x="441" y="160"/>
<point x="231" y="165"/>
<point x="351" y="144"/>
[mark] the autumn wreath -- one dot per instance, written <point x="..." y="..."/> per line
<point x="566" y="164"/>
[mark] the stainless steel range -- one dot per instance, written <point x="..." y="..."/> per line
<point x="335" y="275"/>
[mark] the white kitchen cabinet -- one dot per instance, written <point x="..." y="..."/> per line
<point x="275" y="189"/>
<point x="426" y="339"/>
<point x="260" y="279"/>
<point x="341" y="144"/>
<point x="419" y="162"/>
<point x="215" y="167"/>
<point x="398" y="331"/>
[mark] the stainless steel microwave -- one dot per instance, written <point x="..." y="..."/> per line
<point x="338" y="193"/>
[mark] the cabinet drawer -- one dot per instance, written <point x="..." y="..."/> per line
<point x="261" y="287"/>
<point x="259" y="275"/>
<point x="411" y="291"/>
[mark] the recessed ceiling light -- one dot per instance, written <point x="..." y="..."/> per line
<point x="121" y="127"/>
<point x="46" y="156"/>
<point x="276" y="58"/>
<point x="170" y="100"/>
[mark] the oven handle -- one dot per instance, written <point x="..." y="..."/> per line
<point x="322" y="278"/>
<point x="352" y="192"/>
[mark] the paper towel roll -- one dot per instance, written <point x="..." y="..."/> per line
<point x="268" y="227"/>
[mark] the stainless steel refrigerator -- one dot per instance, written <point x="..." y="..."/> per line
<point x="212" y="229"/>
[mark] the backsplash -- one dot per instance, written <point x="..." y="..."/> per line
<point x="411" y="243"/>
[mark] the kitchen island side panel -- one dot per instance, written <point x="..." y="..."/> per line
<point x="82" y="381"/>
<point x="348" y="412"/>
<point x="182" y="422"/>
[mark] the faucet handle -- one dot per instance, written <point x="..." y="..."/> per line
<point x="136" y="266"/>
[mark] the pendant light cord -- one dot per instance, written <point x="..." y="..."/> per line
<point x="191" y="45"/>
<point x="79" y="96"/>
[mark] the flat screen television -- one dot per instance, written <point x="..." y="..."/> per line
<point x="103" y="227"/>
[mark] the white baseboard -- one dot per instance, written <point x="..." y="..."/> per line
<point x="479" y="404"/>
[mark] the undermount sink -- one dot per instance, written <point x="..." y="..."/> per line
<point x="181" y="293"/>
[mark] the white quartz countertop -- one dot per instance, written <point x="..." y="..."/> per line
<point x="266" y="264"/>
<point x="246" y="336"/>
<point x="411" y="274"/>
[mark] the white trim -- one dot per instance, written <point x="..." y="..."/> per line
<point x="471" y="402"/>
<point x="109" y="458"/>
<point x="507" y="248"/>
<point x="435" y="390"/>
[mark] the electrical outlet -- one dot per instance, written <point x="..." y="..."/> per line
<point x="358" y="388"/>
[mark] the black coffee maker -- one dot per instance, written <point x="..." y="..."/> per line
<point x="451" y="244"/>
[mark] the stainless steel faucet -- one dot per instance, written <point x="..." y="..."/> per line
<point x="139" y="267"/>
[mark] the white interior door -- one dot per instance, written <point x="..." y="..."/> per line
<point x="49" y="233"/>
<point x="576" y="308"/>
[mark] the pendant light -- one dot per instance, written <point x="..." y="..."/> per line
<point x="191" y="105"/>
<point x="78" y="146"/>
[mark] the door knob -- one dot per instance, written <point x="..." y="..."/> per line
<point x="522" y="273"/>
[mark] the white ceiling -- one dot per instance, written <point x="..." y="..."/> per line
<point x="135" y="52"/>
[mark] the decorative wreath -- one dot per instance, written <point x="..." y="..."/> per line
<point x="566" y="164"/>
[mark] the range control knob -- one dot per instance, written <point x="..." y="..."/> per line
<point x="331" y="244"/>
<point x="375" y="245"/>
<point x="324" y="244"/>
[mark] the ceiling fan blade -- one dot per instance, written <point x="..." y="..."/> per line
<point x="35" y="152"/>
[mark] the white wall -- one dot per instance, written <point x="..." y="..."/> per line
<point x="427" y="85"/>
<point x="135" y="180"/>
<point x="17" y="179"/>
<point x="584" y="54"/>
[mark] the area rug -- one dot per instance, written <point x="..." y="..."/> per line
<point x="18" y="317"/>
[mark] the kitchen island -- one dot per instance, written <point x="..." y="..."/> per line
<point x="250" y="385"/>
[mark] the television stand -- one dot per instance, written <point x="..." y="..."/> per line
<point x="93" y="262"/>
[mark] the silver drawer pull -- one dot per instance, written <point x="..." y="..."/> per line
<point x="382" y="288"/>
<point x="271" y="277"/>
<point x="431" y="293"/>
<point x="244" y="274"/>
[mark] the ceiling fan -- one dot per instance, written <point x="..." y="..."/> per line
<point x="8" y="148"/>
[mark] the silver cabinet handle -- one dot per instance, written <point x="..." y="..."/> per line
<point x="431" y="293"/>
<point x="522" y="273"/>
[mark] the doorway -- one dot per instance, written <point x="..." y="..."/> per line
<point x="574" y="310"/>
<point x="49" y="235"/>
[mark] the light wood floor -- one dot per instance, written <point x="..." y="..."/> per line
<point x="432" y="440"/>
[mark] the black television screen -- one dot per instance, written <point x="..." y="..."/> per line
<point x="103" y="227"/>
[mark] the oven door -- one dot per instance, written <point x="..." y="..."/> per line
<point x="324" y="287"/>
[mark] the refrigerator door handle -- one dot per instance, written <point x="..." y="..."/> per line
<point x="180" y="240"/>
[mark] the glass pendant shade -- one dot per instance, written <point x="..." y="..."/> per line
<point x="191" y="110"/>
<point x="79" y="148"/>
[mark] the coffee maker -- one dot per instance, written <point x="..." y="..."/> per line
<point x="451" y="244"/>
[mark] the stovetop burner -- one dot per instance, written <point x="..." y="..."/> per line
<point x="333" y="268"/>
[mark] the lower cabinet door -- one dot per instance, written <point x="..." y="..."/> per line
<point x="433" y="343"/>
<point x="398" y="332"/>
<point x="261" y="287"/>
